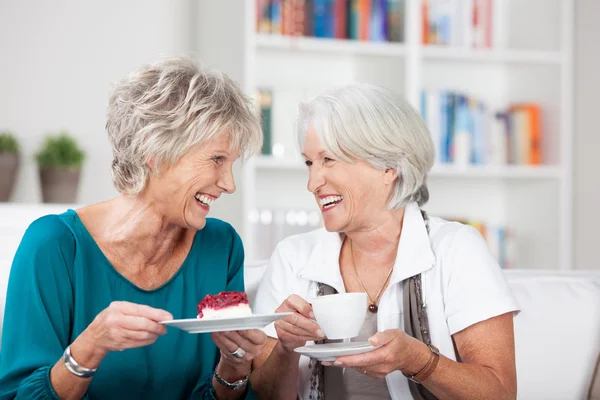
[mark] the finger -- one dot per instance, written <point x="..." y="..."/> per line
<point x="142" y="310"/>
<point x="304" y="324"/>
<point x="240" y="341"/>
<point x="223" y="342"/>
<point x="383" y="338"/>
<point x="140" y="336"/>
<point x="298" y="304"/>
<point x="255" y="336"/>
<point x="142" y="324"/>
<point x="295" y="330"/>
<point x="369" y="359"/>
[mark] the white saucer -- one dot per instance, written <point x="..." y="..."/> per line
<point x="331" y="351"/>
<point x="195" y="325"/>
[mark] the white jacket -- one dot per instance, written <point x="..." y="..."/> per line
<point x="462" y="282"/>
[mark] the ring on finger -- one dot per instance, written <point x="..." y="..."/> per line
<point x="239" y="353"/>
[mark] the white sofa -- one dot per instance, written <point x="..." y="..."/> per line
<point x="557" y="332"/>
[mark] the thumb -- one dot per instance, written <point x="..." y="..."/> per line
<point x="383" y="338"/>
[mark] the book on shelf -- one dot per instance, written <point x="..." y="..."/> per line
<point x="458" y="23"/>
<point x="367" y="20"/>
<point x="465" y="131"/>
<point x="264" y="105"/>
<point x="263" y="16"/>
<point x="500" y="240"/>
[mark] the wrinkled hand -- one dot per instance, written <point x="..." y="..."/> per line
<point x="250" y="341"/>
<point x="123" y="325"/>
<point x="397" y="351"/>
<point x="295" y="330"/>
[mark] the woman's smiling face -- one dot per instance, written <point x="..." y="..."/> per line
<point x="190" y="186"/>
<point x="350" y="195"/>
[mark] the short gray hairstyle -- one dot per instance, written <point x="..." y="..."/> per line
<point x="374" y="124"/>
<point x="160" y="111"/>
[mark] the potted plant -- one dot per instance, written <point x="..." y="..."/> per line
<point x="9" y="164"/>
<point x="59" y="161"/>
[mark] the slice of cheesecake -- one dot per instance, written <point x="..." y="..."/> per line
<point x="224" y="305"/>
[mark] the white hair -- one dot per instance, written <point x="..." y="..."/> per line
<point x="161" y="111"/>
<point x="373" y="124"/>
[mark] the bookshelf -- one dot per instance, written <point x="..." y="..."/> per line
<point x="529" y="60"/>
<point x="438" y="171"/>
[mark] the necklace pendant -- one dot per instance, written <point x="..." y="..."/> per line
<point x="373" y="308"/>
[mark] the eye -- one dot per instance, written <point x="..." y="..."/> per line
<point x="218" y="159"/>
<point x="328" y="160"/>
<point x="308" y="163"/>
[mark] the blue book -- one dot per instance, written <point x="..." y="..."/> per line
<point x="276" y="24"/>
<point x="444" y="149"/>
<point x="450" y="115"/>
<point x="502" y="247"/>
<point x="378" y="21"/>
<point x="324" y="18"/>
<point x="479" y="134"/>
<point x="463" y="131"/>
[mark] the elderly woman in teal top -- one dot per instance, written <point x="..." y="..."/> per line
<point x="88" y="288"/>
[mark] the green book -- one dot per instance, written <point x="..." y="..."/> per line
<point x="266" y="103"/>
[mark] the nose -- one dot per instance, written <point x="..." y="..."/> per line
<point x="316" y="179"/>
<point x="226" y="181"/>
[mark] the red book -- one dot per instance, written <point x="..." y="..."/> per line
<point x="340" y="13"/>
<point x="488" y="23"/>
<point x="287" y="18"/>
<point x="298" y="16"/>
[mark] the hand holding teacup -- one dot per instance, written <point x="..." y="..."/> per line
<point x="338" y="316"/>
<point x="295" y="330"/>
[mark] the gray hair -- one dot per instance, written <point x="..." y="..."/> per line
<point x="373" y="124"/>
<point x="161" y="111"/>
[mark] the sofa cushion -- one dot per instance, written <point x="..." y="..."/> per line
<point x="557" y="333"/>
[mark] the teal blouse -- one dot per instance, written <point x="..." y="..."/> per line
<point x="60" y="280"/>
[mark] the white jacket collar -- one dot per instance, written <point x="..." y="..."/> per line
<point x="414" y="253"/>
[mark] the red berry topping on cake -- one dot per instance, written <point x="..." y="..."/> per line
<point x="221" y="301"/>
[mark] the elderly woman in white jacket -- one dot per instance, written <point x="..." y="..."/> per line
<point x="368" y="154"/>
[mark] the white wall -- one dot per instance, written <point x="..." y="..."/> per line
<point x="59" y="59"/>
<point x="587" y="138"/>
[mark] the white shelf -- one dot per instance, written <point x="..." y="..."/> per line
<point x="438" y="171"/>
<point x="330" y="46"/>
<point x="497" y="171"/>
<point x="429" y="52"/>
<point x="442" y="53"/>
<point x="534" y="201"/>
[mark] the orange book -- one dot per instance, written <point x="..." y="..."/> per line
<point x="535" y="135"/>
<point x="425" y="21"/>
<point x="364" y="9"/>
<point x="532" y="134"/>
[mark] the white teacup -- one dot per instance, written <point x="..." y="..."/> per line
<point x="340" y="315"/>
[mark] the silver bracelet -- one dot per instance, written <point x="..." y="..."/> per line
<point x="237" y="385"/>
<point x="74" y="367"/>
